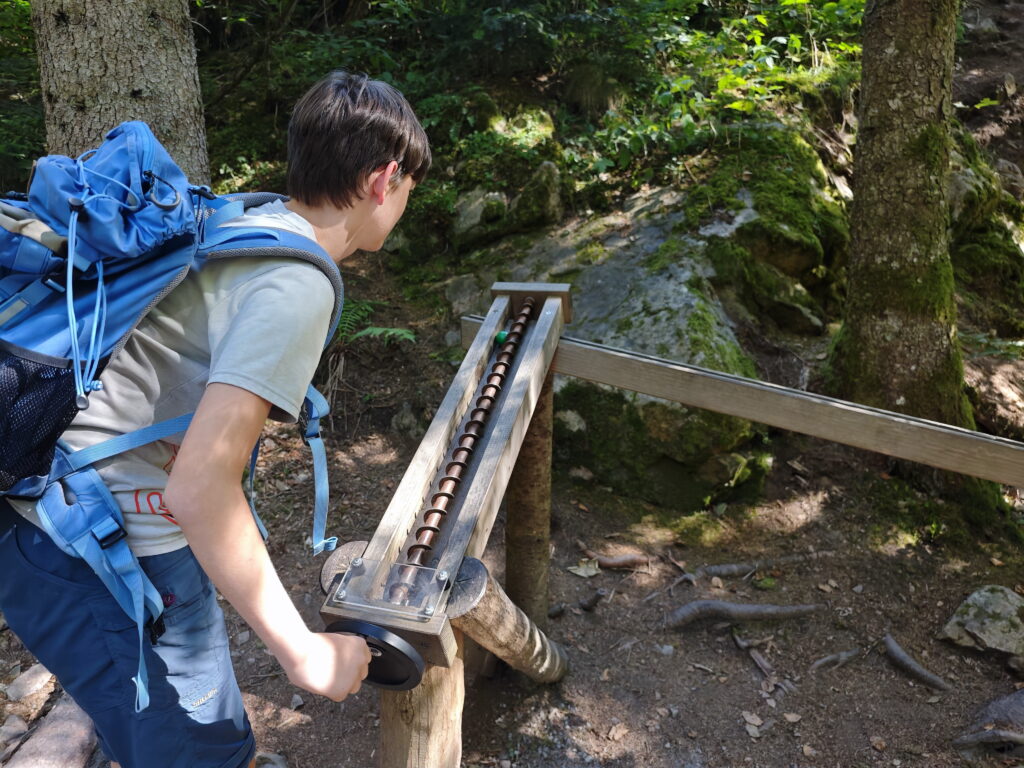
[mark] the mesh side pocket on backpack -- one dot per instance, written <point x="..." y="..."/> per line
<point x="37" y="402"/>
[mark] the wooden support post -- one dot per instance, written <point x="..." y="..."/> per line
<point x="528" y="524"/>
<point x="483" y="611"/>
<point x="422" y="728"/>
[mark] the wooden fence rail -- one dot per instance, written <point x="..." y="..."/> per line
<point x="894" y="434"/>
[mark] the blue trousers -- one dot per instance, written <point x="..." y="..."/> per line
<point x="65" y="616"/>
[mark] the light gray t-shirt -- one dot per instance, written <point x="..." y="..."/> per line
<point x="255" y="323"/>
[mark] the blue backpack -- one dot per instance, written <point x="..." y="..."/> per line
<point x="95" y="244"/>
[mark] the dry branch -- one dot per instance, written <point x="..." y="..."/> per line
<point x="719" y="609"/>
<point x="773" y="683"/>
<point x="835" y="660"/>
<point x="590" y="603"/>
<point x="632" y="560"/>
<point x="906" y="662"/>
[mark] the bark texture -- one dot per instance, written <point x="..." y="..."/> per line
<point x="105" y="61"/>
<point x="898" y="348"/>
<point x="528" y="530"/>
<point x="498" y="625"/>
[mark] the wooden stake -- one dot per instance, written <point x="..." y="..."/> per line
<point x="422" y="728"/>
<point x="528" y="527"/>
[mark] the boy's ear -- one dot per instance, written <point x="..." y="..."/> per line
<point x="380" y="181"/>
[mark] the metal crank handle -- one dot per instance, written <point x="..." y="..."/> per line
<point x="394" y="665"/>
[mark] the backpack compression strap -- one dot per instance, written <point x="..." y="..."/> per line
<point x="91" y="527"/>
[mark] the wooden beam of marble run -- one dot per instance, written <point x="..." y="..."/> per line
<point x="472" y="513"/>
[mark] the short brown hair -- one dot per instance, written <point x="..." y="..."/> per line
<point x="344" y="128"/>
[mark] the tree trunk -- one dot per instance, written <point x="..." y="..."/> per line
<point x="898" y="348"/>
<point x="528" y="524"/>
<point x="105" y="61"/>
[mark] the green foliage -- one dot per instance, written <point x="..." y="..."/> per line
<point x="632" y="88"/>
<point x="354" y="324"/>
<point x="385" y="335"/>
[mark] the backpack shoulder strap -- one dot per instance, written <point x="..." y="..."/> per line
<point x="220" y="242"/>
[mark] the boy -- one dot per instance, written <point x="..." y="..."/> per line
<point x="236" y="343"/>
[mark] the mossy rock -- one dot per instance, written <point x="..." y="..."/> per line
<point x="764" y="289"/>
<point x="540" y="202"/>
<point x="975" y="192"/>
<point x="675" y="457"/>
<point x="989" y="269"/>
<point x="799" y="228"/>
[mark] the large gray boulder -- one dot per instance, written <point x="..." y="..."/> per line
<point x="639" y="287"/>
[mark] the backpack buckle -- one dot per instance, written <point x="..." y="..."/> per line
<point x="108" y="532"/>
<point x="309" y="428"/>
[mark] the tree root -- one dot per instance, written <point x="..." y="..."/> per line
<point x="904" y="661"/>
<point x="836" y="660"/>
<point x="738" y="569"/>
<point x="743" y="569"/>
<point x="719" y="609"/>
<point x="614" y="561"/>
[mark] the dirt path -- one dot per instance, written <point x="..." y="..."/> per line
<point x="991" y="67"/>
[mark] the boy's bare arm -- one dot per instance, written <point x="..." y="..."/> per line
<point x="205" y="496"/>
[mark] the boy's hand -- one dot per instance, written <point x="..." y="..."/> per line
<point x="329" y="664"/>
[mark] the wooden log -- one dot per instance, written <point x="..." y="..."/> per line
<point x="496" y="623"/>
<point x="422" y="728"/>
<point x="893" y="434"/>
<point x="65" y="739"/>
<point x="528" y="524"/>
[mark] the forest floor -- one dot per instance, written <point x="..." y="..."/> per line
<point x="639" y="693"/>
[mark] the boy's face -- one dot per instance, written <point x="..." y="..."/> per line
<point x="387" y="214"/>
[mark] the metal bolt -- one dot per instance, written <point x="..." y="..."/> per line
<point x="376" y="652"/>
<point x="429" y="610"/>
<point x="341" y="594"/>
<point x="357" y="563"/>
<point x="442" y="576"/>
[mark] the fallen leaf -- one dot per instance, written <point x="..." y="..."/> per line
<point x="617" y="732"/>
<point x="996" y="562"/>
<point x="586" y="567"/>
<point x="833" y="583"/>
<point x="792" y="717"/>
<point x="878" y="743"/>
<point x="753" y="719"/>
<point x="824" y="587"/>
<point x="716" y="583"/>
<point x="606" y="675"/>
<point x="933" y="700"/>
<point x="988" y="726"/>
<point x="752" y="731"/>
<point x="662" y="711"/>
<point x="809" y="751"/>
